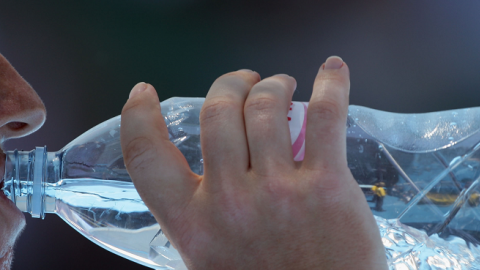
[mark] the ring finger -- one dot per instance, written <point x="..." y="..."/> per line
<point x="266" y="122"/>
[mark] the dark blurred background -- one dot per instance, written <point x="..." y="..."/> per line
<point x="83" y="57"/>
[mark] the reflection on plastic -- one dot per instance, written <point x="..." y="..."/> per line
<point x="418" y="171"/>
<point x="410" y="249"/>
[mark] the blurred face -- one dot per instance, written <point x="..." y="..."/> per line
<point x="21" y="113"/>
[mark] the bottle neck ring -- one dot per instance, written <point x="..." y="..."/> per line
<point x="25" y="173"/>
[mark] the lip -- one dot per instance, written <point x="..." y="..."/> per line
<point x="2" y="175"/>
<point x="8" y="210"/>
<point x="2" y="168"/>
<point x="2" y="165"/>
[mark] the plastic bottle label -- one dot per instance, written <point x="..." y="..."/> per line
<point x="297" y="122"/>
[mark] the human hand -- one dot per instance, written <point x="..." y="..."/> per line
<point x="255" y="207"/>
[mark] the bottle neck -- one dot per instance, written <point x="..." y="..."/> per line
<point x="27" y="173"/>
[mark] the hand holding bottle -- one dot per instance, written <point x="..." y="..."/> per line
<point x="255" y="207"/>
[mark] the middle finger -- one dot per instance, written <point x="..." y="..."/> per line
<point x="222" y="128"/>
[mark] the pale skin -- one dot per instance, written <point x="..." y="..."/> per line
<point x="21" y="113"/>
<point x="255" y="207"/>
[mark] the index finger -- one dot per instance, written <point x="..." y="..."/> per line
<point x="159" y="170"/>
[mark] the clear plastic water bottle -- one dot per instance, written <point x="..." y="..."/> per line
<point x="425" y="165"/>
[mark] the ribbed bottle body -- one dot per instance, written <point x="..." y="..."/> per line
<point x="428" y="166"/>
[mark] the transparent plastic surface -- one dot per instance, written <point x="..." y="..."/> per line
<point x="96" y="195"/>
<point x="429" y="167"/>
<point x="427" y="164"/>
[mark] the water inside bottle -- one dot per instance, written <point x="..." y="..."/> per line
<point x="112" y="214"/>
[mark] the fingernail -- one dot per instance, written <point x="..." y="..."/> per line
<point x="333" y="62"/>
<point x="246" y="70"/>
<point x="283" y="75"/>
<point x="138" y="88"/>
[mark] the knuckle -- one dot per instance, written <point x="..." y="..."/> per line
<point x="330" y="78"/>
<point x="279" y="189"/>
<point x="262" y="103"/>
<point x="139" y="153"/>
<point x="215" y="109"/>
<point x="325" y="110"/>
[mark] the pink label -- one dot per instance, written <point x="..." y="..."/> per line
<point x="297" y="122"/>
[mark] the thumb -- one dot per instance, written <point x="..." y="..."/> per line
<point x="158" y="169"/>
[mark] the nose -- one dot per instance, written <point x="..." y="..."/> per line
<point x="21" y="109"/>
